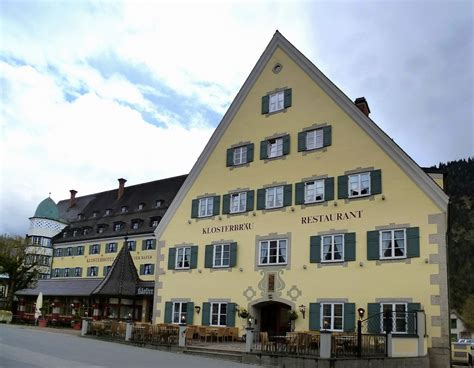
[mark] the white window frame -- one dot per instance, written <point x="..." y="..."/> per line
<point x="275" y="149"/>
<point x="149" y="244"/>
<point x="219" y="314"/>
<point x="317" y="185"/>
<point x="280" y="245"/>
<point x="333" y="238"/>
<point x="56" y="272"/>
<point x="154" y="223"/>
<point x="124" y="209"/>
<point x="135" y="225"/>
<point x="218" y="262"/>
<point x="132" y="244"/>
<point x="111" y="245"/>
<point x="273" y="193"/>
<point x="332" y="317"/>
<point x="178" y="312"/>
<point x="140" y="206"/>
<point x="77" y="271"/>
<point x="36" y="240"/>
<point x="314" y="139"/>
<point x="181" y="253"/>
<point x="69" y="252"/>
<point x="276" y="101"/>
<point x="207" y="205"/>
<point x="95" y="273"/>
<point x="147" y="269"/>
<point x="241" y="200"/>
<point x="392" y="246"/>
<point x="118" y="226"/>
<point x="95" y="249"/>
<point x="81" y="247"/>
<point x="394" y="317"/>
<point x="359" y="185"/>
<point x="239" y="155"/>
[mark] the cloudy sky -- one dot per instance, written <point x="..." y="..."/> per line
<point x="94" y="91"/>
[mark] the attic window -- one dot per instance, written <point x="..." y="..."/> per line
<point x="108" y="211"/>
<point x="154" y="221"/>
<point x="80" y="216"/>
<point x="95" y="214"/>
<point x="141" y="206"/>
<point x="124" y="209"/>
<point x="74" y="233"/>
<point x="159" y="203"/>
<point x="85" y="231"/>
<point x="100" y="229"/>
<point x="118" y="226"/>
<point x="277" y="68"/>
<point x="64" y="234"/>
<point x="135" y="225"/>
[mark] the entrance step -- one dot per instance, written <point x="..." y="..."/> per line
<point x="214" y="353"/>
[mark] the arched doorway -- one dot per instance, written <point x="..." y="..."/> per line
<point x="273" y="317"/>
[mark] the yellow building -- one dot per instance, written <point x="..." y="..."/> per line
<point x="301" y="202"/>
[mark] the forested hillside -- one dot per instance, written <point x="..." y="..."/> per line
<point x="460" y="188"/>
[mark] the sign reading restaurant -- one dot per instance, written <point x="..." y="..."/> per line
<point x="338" y="216"/>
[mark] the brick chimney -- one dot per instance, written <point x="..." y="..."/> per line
<point x="72" y="200"/>
<point x="121" y="188"/>
<point x="362" y="104"/>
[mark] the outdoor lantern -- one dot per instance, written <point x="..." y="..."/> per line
<point x="197" y="308"/>
<point x="361" y="312"/>
<point x="183" y="319"/>
<point x="249" y="322"/>
<point x="302" y="309"/>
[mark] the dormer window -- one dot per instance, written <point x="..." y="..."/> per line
<point x="108" y="211"/>
<point x="74" y="232"/>
<point x="154" y="221"/>
<point x="100" y="229"/>
<point x="159" y="203"/>
<point x="86" y="231"/>
<point x="95" y="214"/>
<point x="141" y="206"/>
<point x="80" y="216"/>
<point x="64" y="234"/>
<point x="135" y="225"/>
<point x="118" y="226"/>
<point x="124" y="209"/>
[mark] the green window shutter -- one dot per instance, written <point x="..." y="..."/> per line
<point x="98" y="247"/>
<point x="225" y="204"/>
<point x="143" y="244"/>
<point x="208" y="256"/>
<point x="171" y="258"/>
<point x="261" y="199"/>
<point x="263" y="150"/>
<point x="250" y="200"/>
<point x="301" y="141"/>
<point x="88" y="271"/>
<point x="413" y="242"/>
<point x="299" y="193"/>
<point x="287" y="101"/>
<point x="194" y="256"/>
<point x="230" y="314"/>
<point x="349" y="247"/>
<point x="327" y="139"/>
<point x="376" y="182"/>
<point x="329" y="189"/>
<point x="233" y="254"/>
<point x="152" y="269"/>
<point x="168" y="311"/>
<point x="216" y="205"/>
<point x="287" y="195"/>
<point x="286" y="144"/>
<point x="411" y="320"/>
<point x="206" y="313"/>
<point x="342" y="187"/>
<point x="142" y="269"/>
<point x="154" y="243"/>
<point x="374" y="316"/>
<point x="250" y="149"/>
<point x="189" y="313"/>
<point x="373" y="252"/>
<point x="80" y="272"/>
<point x="265" y="104"/>
<point x="90" y="249"/>
<point x="349" y="317"/>
<point x="195" y="208"/>
<point x="314" y="316"/>
<point x="315" y="249"/>
<point x="230" y="157"/>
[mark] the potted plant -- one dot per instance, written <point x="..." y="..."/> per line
<point x="42" y="322"/>
<point x="243" y="313"/>
<point x="76" y="324"/>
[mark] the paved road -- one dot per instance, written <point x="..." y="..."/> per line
<point x="23" y="347"/>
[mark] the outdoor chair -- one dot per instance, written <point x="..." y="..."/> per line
<point x="204" y="333"/>
<point x="266" y="344"/>
<point x="190" y="331"/>
<point x="221" y="334"/>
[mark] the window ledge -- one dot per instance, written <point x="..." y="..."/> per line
<point x="270" y="159"/>
<point x="275" y="209"/>
<point x="394" y="260"/>
<point x="313" y="204"/>
<point x="314" y="150"/>
<point x="284" y="110"/>
<point x="197" y="219"/>
<point x="220" y="269"/>
<point x="247" y="164"/>
<point x="181" y="270"/>
<point x="370" y="197"/>
<point x="329" y="264"/>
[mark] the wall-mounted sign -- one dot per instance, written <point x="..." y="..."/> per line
<point x="227" y="228"/>
<point x="338" y="216"/>
<point x="145" y="291"/>
<point x="100" y="259"/>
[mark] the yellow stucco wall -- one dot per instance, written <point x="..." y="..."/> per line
<point x="105" y="259"/>
<point x="404" y="347"/>
<point x="359" y="282"/>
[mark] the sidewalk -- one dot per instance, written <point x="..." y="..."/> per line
<point x="65" y="331"/>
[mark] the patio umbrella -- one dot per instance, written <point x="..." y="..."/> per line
<point x="39" y="305"/>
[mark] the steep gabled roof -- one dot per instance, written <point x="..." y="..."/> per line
<point x="122" y="279"/>
<point x="406" y="163"/>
